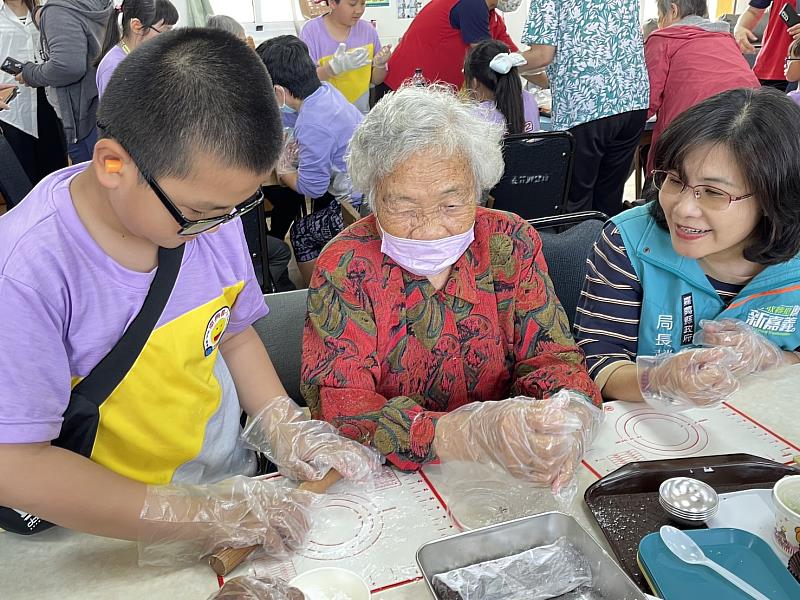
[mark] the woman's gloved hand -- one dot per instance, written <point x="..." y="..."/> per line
<point x="344" y="60"/>
<point x="305" y="450"/>
<point x="691" y="378"/>
<point x="540" y="441"/>
<point x="179" y="524"/>
<point x="756" y="353"/>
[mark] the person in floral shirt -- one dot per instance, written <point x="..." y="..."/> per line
<point x="426" y="316"/>
<point x="594" y="55"/>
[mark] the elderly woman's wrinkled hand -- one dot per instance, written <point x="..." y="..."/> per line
<point x="249" y="587"/>
<point x="304" y="449"/>
<point x="756" y="353"/>
<point x="540" y="441"/>
<point x="696" y="377"/>
<point x="179" y="524"/>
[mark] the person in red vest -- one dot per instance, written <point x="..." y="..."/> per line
<point x="775" y="43"/>
<point x="440" y="36"/>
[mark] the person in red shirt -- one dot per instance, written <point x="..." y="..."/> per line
<point x="438" y="39"/>
<point x="689" y="59"/>
<point x="775" y="42"/>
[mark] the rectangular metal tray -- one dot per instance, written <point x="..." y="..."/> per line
<point x="513" y="537"/>
<point x="625" y="503"/>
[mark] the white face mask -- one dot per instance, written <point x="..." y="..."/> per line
<point x="508" y="6"/>
<point x="426" y="257"/>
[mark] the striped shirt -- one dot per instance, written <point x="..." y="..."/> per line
<point x="607" y="318"/>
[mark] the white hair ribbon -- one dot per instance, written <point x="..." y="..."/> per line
<point x="503" y="63"/>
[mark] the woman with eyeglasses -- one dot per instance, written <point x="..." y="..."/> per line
<point x="132" y="23"/>
<point x="691" y="292"/>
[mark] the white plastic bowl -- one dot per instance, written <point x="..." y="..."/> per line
<point x="331" y="583"/>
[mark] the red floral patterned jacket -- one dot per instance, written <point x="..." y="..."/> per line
<point x="385" y="354"/>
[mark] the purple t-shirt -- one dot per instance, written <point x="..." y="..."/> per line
<point x="795" y="95"/>
<point x="71" y="303"/>
<point x="530" y="112"/>
<point x="325" y="124"/>
<point x="107" y="66"/>
<point x="354" y="85"/>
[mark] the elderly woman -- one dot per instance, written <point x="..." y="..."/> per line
<point x="689" y="59"/>
<point x="426" y="315"/>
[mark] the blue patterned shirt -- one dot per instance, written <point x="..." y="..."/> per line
<point x="599" y="67"/>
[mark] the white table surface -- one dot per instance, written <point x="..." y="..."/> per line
<point x="60" y="564"/>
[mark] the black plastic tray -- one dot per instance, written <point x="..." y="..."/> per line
<point x="625" y="503"/>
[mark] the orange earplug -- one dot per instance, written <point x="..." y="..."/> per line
<point x="113" y="165"/>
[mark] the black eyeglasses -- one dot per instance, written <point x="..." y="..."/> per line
<point x="189" y="226"/>
<point x="195" y="227"/>
<point x="707" y="196"/>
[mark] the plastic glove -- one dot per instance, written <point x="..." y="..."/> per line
<point x="290" y="158"/>
<point x="346" y="60"/>
<point x="540" y="441"/>
<point x="382" y="57"/>
<point x="181" y="523"/>
<point x="696" y="377"/>
<point x="247" y="587"/>
<point x="756" y="353"/>
<point x="306" y="450"/>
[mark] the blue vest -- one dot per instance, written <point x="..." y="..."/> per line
<point x="677" y="295"/>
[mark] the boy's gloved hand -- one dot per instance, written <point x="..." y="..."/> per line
<point x="756" y="353"/>
<point x="305" y="450"/>
<point x="346" y="60"/>
<point x="179" y="524"/>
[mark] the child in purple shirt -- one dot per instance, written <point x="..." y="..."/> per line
<point x="490" y="73"/>
<point x="325" y="123"/>
<point x="347" y="51"/>
<point x="161" y="459"/>
<point x="142" y="20"/>
<point x="791" y="68"/>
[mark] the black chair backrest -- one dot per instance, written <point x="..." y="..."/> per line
<point x="281" y="332"/>
<point x="537" y="174"/>
<point x="566" y="253"/>
<point x="255" y="233"/>
<point x="14" y="182"/>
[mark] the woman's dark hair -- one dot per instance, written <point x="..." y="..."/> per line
<point x="289" y="64"/>
<point x="507" y="89"/>
<point x="149" y="12"/>
<point x="761" y="130"/>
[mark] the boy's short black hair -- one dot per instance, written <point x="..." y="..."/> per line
<point x="289" y="64"/>
<point x="761" y="129"/>
<point x="188" y="91"/>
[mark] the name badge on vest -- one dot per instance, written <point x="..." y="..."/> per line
<point x="687" y="319"/>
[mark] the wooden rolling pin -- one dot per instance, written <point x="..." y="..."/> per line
<point x="226" y="560"/>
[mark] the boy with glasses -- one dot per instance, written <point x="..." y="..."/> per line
<point x="172" y="170"/>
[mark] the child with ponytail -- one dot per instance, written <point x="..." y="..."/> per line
<point x="133" y="22"/>
<point x="490" y="74"/>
